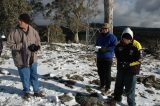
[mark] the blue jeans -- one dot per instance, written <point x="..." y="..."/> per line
<point x="28" y="75"/>
<point x="128" y="81"/>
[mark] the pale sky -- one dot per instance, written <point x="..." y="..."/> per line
<point x="142" y="13"/>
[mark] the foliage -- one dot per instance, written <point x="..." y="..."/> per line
<point x="55" y="34"/>
<point x="75" y="14"/>
<point x="72" y="14"/>
<point x="38" y="6"/>
<point x="10" y="10"/>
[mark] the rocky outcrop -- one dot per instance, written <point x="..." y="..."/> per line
<point x="93" y="100"/>
<point x="149" y="81"/>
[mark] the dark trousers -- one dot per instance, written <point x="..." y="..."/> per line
<point x="128" y="81"/>
<point x="0" y="53"/>
<point x="104" y="71"/>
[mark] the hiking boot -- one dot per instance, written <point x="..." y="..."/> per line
<point x="111" y="101"/>
<point x="107" y="91"/>
<point x="118" y="99"/>
<point x="27" y="96"/>
<point x="39" y="94"/>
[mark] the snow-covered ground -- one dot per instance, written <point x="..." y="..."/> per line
<point x="64" y="61"/>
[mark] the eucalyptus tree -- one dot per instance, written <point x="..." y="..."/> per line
<point x="10" y="10"/>
<point x="78" y="13"/>
<point x="73" y="14"/>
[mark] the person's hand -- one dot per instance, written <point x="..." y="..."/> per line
<point x="102" y="50"/>
<point x="97" y="48"/>
<point x="33" y="48"/>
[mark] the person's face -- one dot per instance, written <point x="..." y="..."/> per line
<point x="126" y="41"/>
<point x="21" y="24"/>
<point x="105" y="30"/>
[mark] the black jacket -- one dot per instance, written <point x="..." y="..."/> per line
<point x="125" y="55"/>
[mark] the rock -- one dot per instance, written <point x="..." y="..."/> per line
<point x="88" y="75"/>
<point x="76" y="77"/>
<point x="95" y="70"/>
<point x="156" y="85"/>
<point x="68" y="83"/>
<point x="68" y="76"/>
<point x="51" y="76"/>
<point x="60" y="57"/>
<point x="70" y="61"/>
<point x="65" y="98"/>
<point x="140" y="79"/>
<point x="88" y="89"/>
<point x="97" y="82"/>
<point x="92" y="100"/>
<point x="142" y="95"/>
<point x="149" y="79"/>
<point x="77" y="105"/>
<point x="4" y="72"/>
<point x="150" y="91"/>
<point x="148" y="85"/>
<point x="158" y="80"/>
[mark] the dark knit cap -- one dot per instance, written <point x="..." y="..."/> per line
<point x="127" y="36"/>
<point x="25" y="18"/>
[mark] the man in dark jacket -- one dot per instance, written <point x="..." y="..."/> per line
<point x="128" y="65"/>
<point x="1" y="46"/>
<point x="105" y="43"/>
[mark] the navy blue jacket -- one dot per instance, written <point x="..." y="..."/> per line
<point x="107" y="41"/>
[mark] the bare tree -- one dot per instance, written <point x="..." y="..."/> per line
<point x="108" y="12"/>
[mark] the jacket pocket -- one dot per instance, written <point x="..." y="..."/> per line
<point x="17" y="58"/>
<point x="135" y="69"/>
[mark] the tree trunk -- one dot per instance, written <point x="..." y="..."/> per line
<point x="76" y="38"/>
<point x="108" y="13"/>
<point x="48" y="35"/>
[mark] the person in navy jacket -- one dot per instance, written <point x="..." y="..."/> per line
<point x="105" y="43"/>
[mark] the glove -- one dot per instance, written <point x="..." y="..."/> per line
<point x="33" y="48"/>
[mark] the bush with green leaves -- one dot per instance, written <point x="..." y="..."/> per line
<point x="55" y="34"/>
